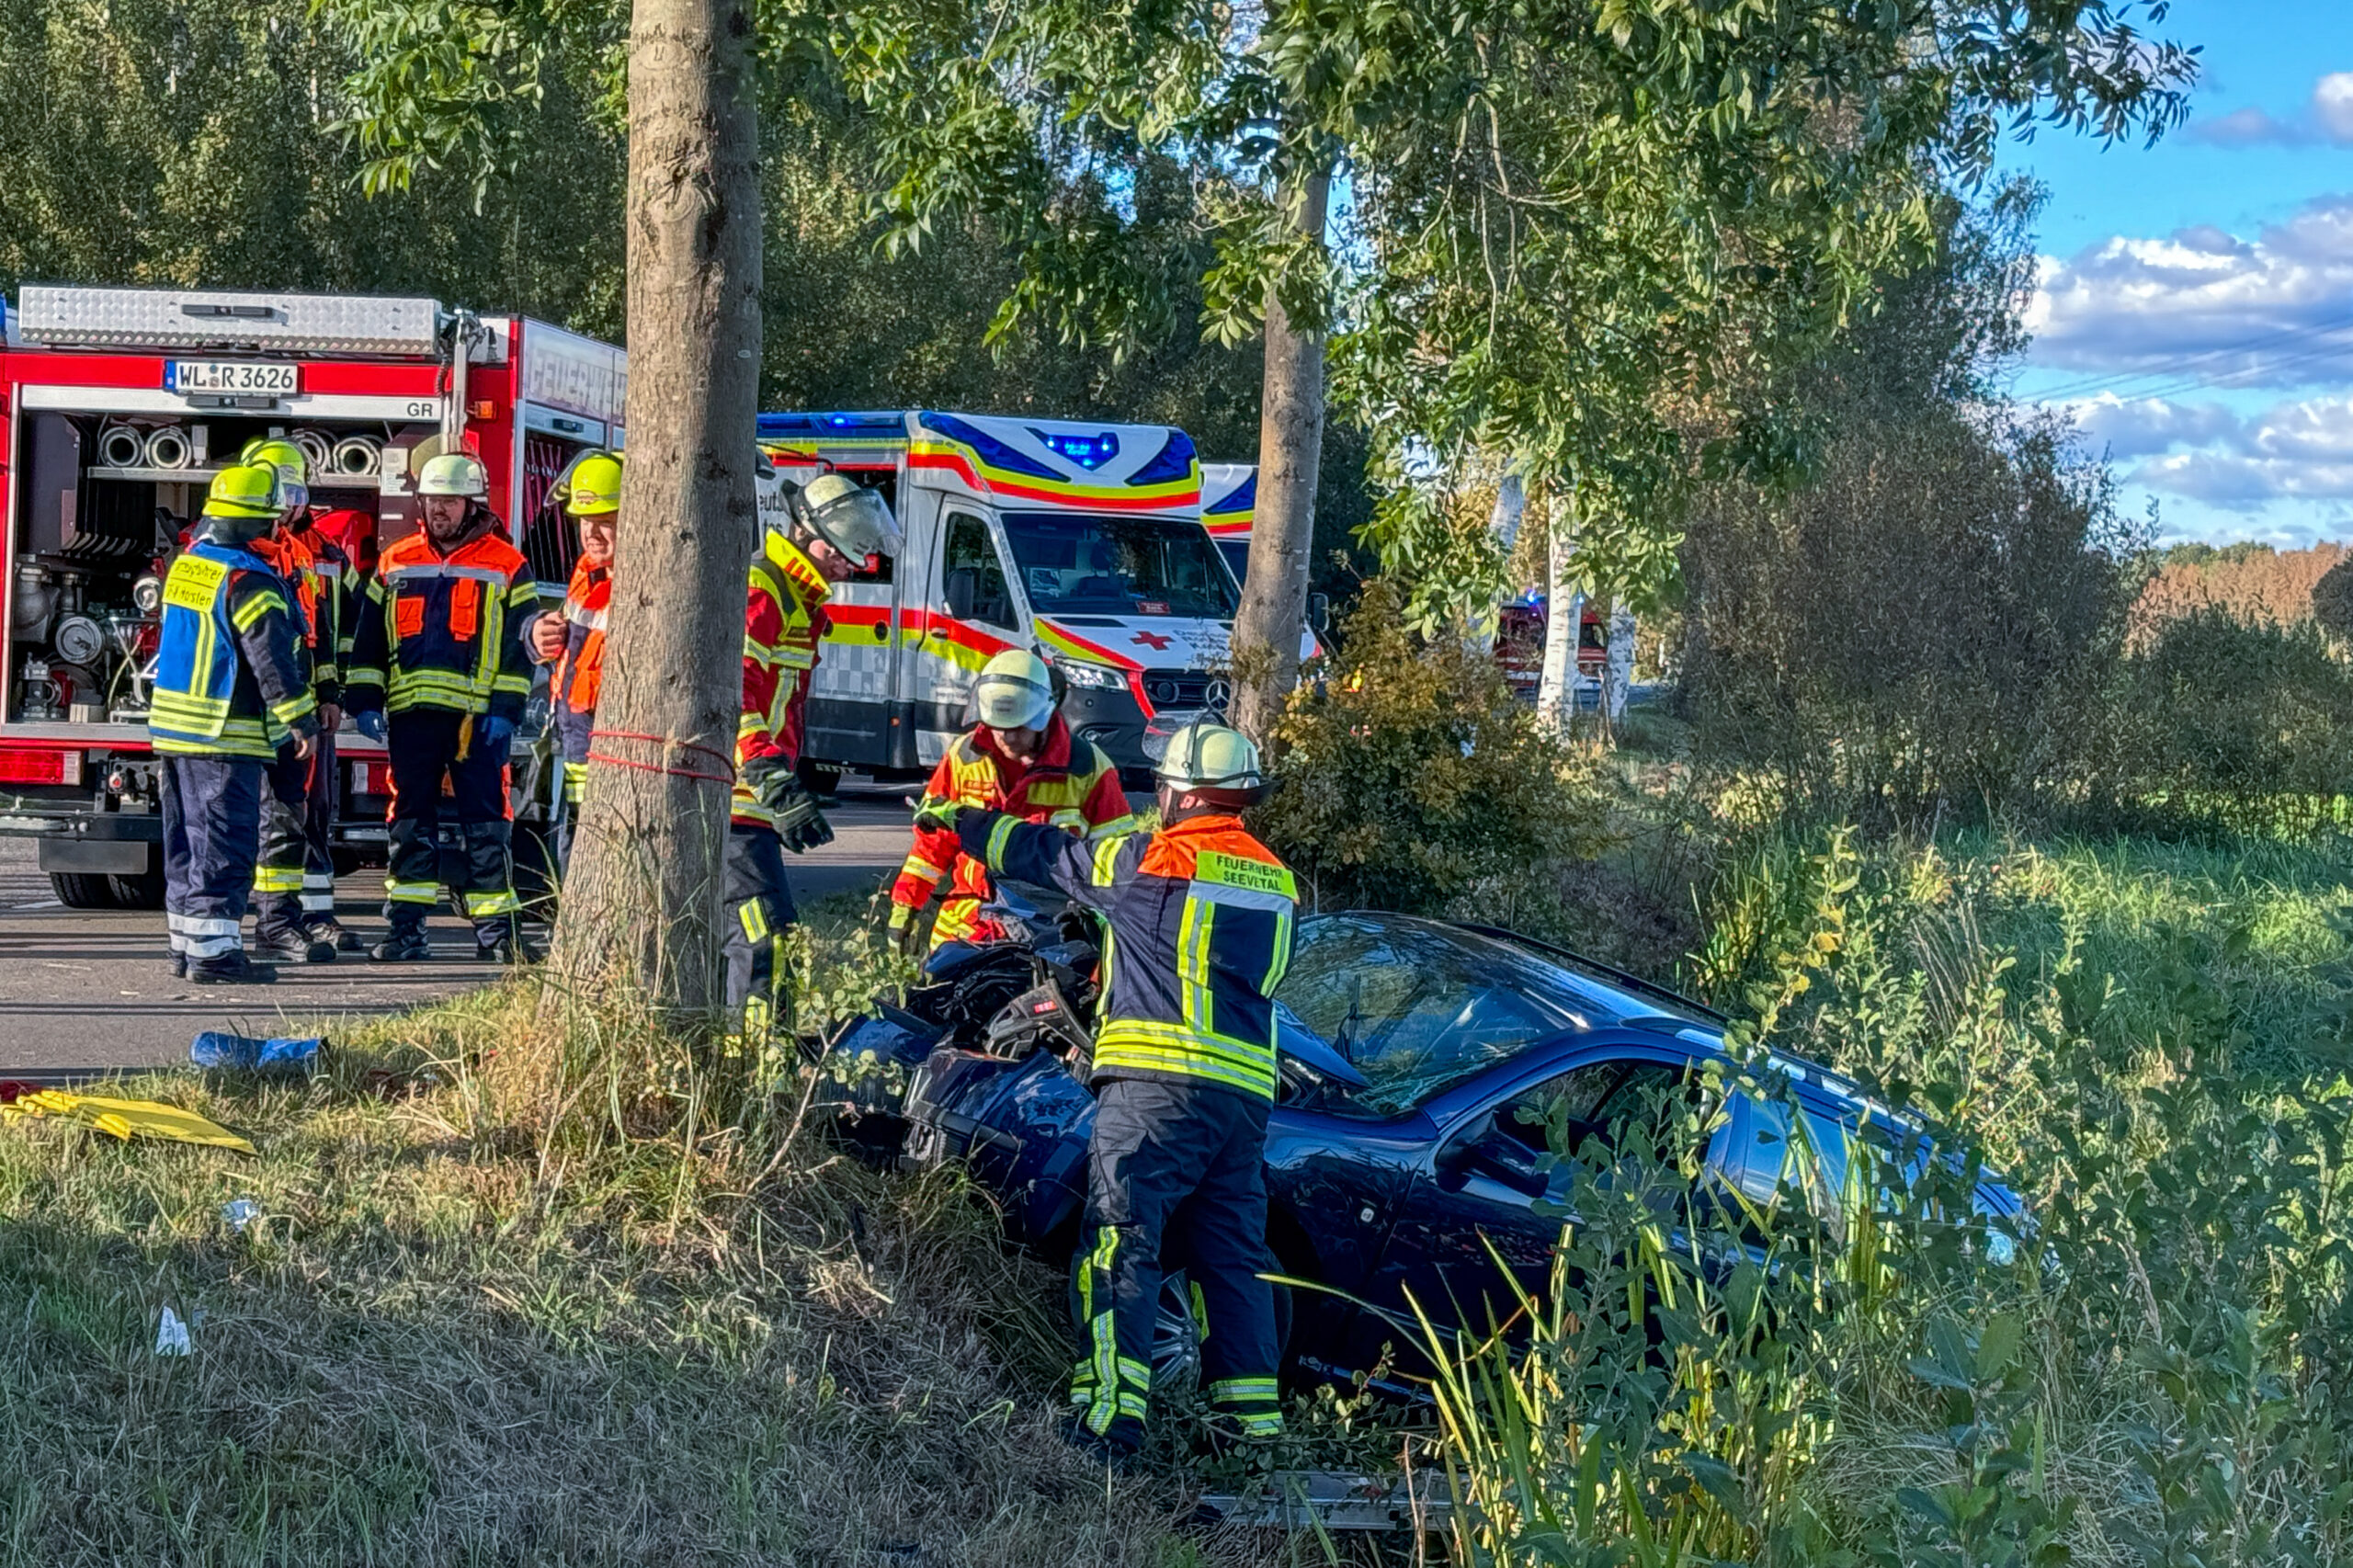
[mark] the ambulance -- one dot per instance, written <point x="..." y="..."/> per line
<point x="1082" y="542"/>
<point x="117" y="408"/>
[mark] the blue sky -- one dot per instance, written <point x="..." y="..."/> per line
<point x="2196" y="308"/>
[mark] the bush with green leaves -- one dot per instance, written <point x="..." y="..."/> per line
<point x="2148" y="1372"/>
<point x="1408" y="778"/>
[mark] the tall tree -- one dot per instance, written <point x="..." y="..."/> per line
<point x="641" y="894"/>
<point x="448" y="88"/>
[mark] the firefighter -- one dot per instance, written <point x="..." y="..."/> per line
<point x="571" y="640"/>
<point x="1199" y="915"/>
<point x="823" y="535"/>
<point x="439" y="673"/>
<point x="294" y="886"/>
<point x="1020" y="759"/>
<point x="229" y="696"/>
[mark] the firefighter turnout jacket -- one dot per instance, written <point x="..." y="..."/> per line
<point x="227" y="681"/>
<point x="784" y="619"/>
<point x="315" y="568"/>
<point x="576" y="675"/>
<point x="445" y="632"/>
<point x="1069" y="784"/>
<point x="1199" y="923"/>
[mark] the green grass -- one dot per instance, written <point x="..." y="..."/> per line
<point x="460" y="1335"/>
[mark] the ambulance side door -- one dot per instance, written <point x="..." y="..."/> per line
<point x="972" y="613"/>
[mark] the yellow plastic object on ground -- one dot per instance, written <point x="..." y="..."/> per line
<point x="125" y="1119"/>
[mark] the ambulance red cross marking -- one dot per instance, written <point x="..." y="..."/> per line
<point x="1158" y="644"/>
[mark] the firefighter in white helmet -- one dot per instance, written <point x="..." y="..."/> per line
<point x="818" y="536"/>
<point x="1020" y="759"/>
<point x="439" y="672"/>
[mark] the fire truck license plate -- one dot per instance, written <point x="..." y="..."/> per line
<point x="230" y="376"/>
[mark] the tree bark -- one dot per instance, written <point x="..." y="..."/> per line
<point x="1503" y="526"/>
<point x="641" y="898"/>
<point x="1556" y="698"/>
<point x="1620" y="680"/>
<point x="1273" y="614"/>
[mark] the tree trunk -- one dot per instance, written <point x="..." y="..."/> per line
<point x="1273" y="614"/>
<point x="1556" y="699"/>
<point x="1620" y="680"/>
<point x="642" y="895"/>
<point x="1503" y="526"/>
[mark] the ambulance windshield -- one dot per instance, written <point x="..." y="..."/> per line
<point x="1084" y="565"/>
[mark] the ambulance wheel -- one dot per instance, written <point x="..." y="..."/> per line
<point x="144" y="891"/>
<point x="83" y="890"/>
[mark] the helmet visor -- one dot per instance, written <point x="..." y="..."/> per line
<point x="859" y="524"/>
<point x="1007" y="703"/>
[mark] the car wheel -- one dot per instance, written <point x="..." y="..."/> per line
<point x="144" y="891"/>
<point x="83" y="890"/>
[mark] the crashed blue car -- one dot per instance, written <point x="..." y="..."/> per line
<point x="1424" y="1066"/>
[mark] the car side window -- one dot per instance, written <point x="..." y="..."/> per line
<point x="972" y="578"/>
<point x="1610" y="1100"/>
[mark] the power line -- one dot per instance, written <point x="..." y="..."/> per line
<point x="2176" y="367"/>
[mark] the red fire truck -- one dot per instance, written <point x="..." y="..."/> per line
<point x="117" y="405"/>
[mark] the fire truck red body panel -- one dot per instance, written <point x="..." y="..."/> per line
<point x="116" y="407"/>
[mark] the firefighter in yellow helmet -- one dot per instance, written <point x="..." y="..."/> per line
<point x="1020" y="759"/>
<point x="294" y="886"/>
<point x="571" y="640"/>
<point x="230" y="698"/>
<point x="1199" y="915"/>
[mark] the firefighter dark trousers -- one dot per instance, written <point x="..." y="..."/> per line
<point x="1175" y="1173"/>
<point x="422" y="746"/>
<point x="211" y="840"/>
<point x="294" y="886"/>
<point x="760" y="907"/>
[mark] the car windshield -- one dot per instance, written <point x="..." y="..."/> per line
<point x="1081" y="564"/>
<point x="1417" y="1007"/>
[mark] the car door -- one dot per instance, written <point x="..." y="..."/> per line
<point x="1492" y="1187"/>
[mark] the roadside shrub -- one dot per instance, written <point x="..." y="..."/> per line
<point x="1408" y="778"/>
<point x="2246" y="725"/>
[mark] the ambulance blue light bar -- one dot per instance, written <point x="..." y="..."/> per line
<point x="839" y="425"/>
<point x="1089" y="452"/>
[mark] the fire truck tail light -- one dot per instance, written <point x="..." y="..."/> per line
<point x="41" y="767"/>
<point x="372" y="779"/>
<point x="486" y="409"/>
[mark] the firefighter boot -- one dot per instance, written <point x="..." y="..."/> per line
<point x="293" y="945"/>
<point x="231" y="968"/>
<point x="331" y="930"/>
<point x="404" y="943"/>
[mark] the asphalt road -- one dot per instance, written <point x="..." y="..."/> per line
<point x="93" y="989"/>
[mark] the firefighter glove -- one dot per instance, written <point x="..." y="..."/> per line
<point x="906" y="932"/>
<point x="370" y="723"/>
<point x="940" y="814"/>
<point x="494" y="735"/>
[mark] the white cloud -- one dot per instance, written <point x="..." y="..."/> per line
<point x="2327" y="117"/>
<point x="2145" y="425"/>
<point x="2204" y="306"/>
<point x="2293" y="451"/>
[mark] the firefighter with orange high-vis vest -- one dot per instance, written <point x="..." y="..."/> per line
<point x="439" y="672"/>
<point x="571" y="640"/>
<point x="1020" y="759"/>
<point x="820" y="535"/>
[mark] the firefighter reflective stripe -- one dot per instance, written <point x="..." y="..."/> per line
<point x="998" y="835"/>
<point x="576" y="782"/>
<point x="278" y="879"/>
<point x="299" y="706"/>
<point x="1193" y="963"/>
<point x="1105" y="854"/>
<point x="203" y="936"/>
<point x="1253" y="1403"/>
<point x="438" y="571"/>
<point x="759" y="1005"/>
<point x="1118" y="827"/>
<point x="1146" y="1045"/>
<point x="1105" y="1384"/>
<point x="483" y="905"/>
<point x="245" y="617"/>
<point x="412" y="892"/>
<point x="318" y="893"/>
<point x="921" y="869"/>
